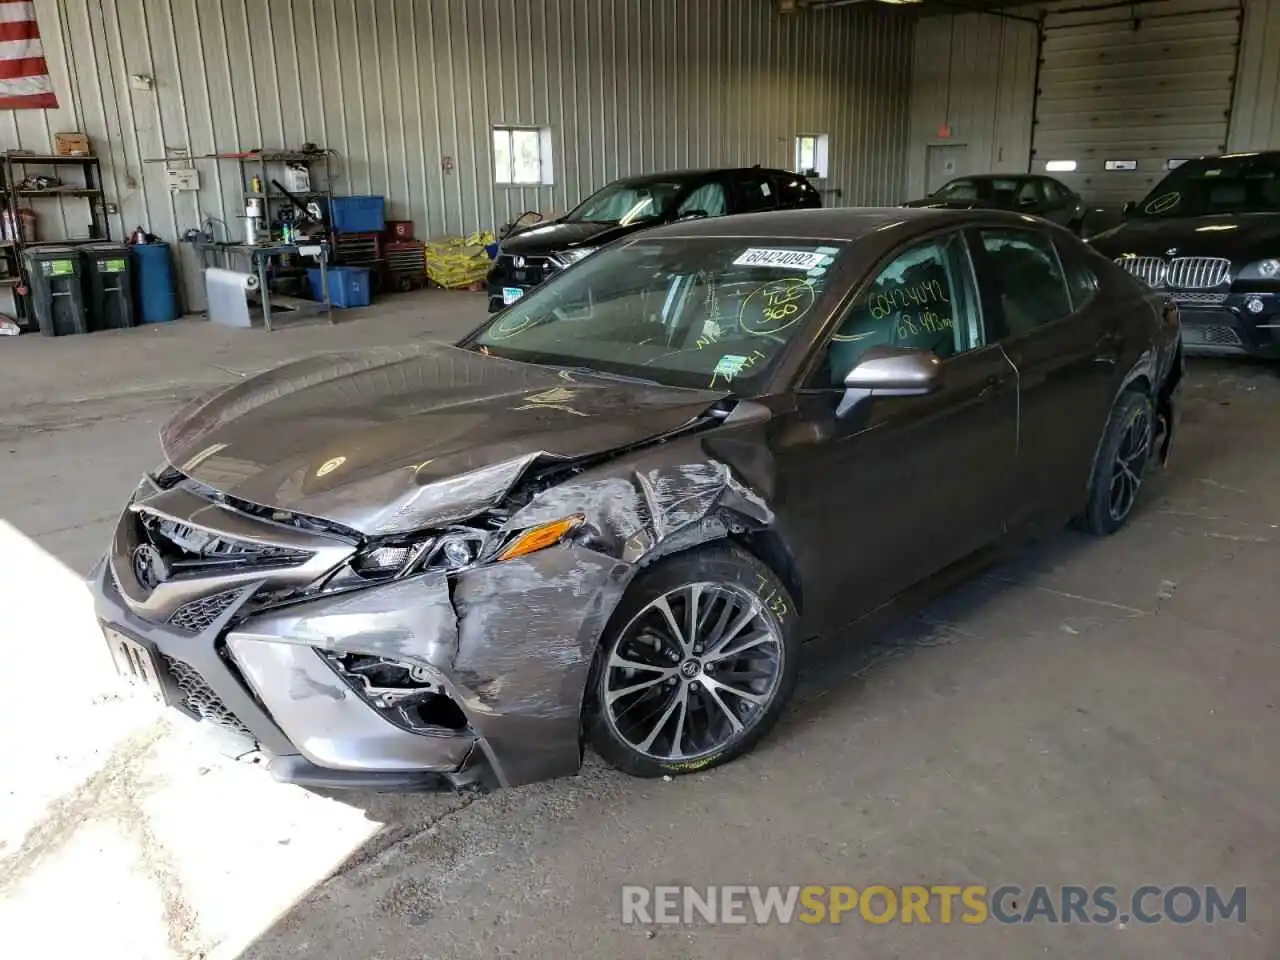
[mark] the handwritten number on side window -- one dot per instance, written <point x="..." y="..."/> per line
<point x="882" y="305"/>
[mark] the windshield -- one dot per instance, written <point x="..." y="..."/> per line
<point x="1244" y="183"/>
<point x="706" y="312"/>
<point x="626" y="203"/>
<point x="977" y="190"/>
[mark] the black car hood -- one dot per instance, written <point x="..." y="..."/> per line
<point x="556" y="235"/>
<point x="388" y="440"/>
<point x="1241" y="237"/>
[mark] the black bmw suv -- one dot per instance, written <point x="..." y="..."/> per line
<point x="626" y="206"/>
<point x="1209" y="235"/>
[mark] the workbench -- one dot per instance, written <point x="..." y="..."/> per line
<point x="259" y="257"/>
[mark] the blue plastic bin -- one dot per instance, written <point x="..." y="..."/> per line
<point x="358" y="214"/>
<point x="348" y="286"/>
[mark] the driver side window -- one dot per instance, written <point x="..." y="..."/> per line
<point x="708" y="198"/>
<point x="923" y="300"/>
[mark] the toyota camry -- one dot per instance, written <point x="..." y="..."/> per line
<point x="610" y="516"/>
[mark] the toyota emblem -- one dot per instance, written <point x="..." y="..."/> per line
<point x="149" y="567"/>
<point x="519" y="262"/>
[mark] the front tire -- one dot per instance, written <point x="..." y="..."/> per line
<point x="1123" y="457"/>
<point x="696" y="665"/>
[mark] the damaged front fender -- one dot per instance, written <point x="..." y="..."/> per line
<point x="511" y="643"/>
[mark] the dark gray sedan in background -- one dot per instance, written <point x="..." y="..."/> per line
<point x="1032" y="194"/>
<point x="612" y="513"/>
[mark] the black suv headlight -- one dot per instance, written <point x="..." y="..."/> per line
<point x="1268" y="269"/>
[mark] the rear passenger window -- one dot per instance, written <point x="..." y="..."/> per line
<point x="796" y="192"/>
<point x="754" y="193"/>
<point x="1025" y="277"/>
<point x="708" y="199"/>
<point x="1081" y="281"/>
<point x="1029" y="194"/>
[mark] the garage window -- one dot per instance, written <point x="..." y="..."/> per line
<point x="811" y="155"/>
<point x="521" y="155"/>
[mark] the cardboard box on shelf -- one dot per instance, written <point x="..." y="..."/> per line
<point x="71" y="144"/>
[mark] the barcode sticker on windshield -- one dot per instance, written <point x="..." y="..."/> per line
<point x="784" y="259"/>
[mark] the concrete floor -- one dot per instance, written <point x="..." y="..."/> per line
<point x="1094" y="712"/>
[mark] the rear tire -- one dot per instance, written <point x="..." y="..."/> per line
<point x="670" y="695"/>
<point x="1123" y="457"/>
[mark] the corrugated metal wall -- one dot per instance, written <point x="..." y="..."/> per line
<point x="1255" y="114"/>
<point x="975" y="74"/>
<point x="396" y="85"/>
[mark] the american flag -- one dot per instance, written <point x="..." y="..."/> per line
<point x="24" y="75"/>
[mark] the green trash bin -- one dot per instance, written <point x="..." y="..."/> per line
<point x="57" y="290"/>
<point x="108" y="285"/>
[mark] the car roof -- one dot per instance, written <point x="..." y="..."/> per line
<point x="836" y="223"/>
<point x="697" y="174"/>
<point x="999" y="176"/>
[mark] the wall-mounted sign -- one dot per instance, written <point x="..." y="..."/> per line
<point x="1121" y="165"/>
<point x="944" y="132"/>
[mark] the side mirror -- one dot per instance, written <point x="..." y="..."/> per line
<point x="1128" y="208"/>
<point x="693" y="214"/>
<point x="891" y="372"/>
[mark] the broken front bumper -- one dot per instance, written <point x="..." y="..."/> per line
<point x="509" y="644"/>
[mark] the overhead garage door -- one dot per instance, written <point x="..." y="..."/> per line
<point x="1140" y="83"/>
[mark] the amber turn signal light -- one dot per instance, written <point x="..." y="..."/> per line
<point x="540" y="537"/>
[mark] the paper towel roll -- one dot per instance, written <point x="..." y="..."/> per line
<point x="231" y="278"/>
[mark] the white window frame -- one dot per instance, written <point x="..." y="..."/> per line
<point x="508" y="177"/>
<point x="819" y="150"/>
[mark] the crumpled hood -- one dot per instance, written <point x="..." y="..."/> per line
<point x="388" y="440"/>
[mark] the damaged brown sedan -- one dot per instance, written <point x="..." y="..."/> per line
<point x="611" y="514"/>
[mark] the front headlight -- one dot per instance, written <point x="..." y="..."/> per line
<point x="450" y="550"/>
<point x="569" y="257"/>
<point x="1262" y="270"/>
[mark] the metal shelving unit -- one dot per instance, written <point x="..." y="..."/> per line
<point x="12" y="195"/>
<point x="264" y="165"/>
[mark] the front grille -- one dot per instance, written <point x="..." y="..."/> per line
<point x="1149" y="269"/>
<point x="200" y="614"/>
<point x="534" y="271"/>
<point x="191" y="549"/>
<point x="199" y="700"/>
<point x="1197" y="273"/>
<point x="1184" y="273"/>
<point x="1199" y="299"/>
<point x="1211" y="335"/>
